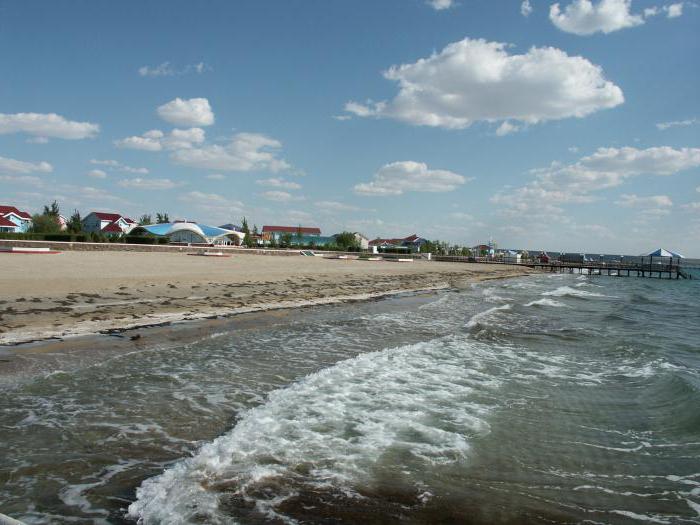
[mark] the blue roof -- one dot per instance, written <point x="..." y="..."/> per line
<point x="158" y="229"/>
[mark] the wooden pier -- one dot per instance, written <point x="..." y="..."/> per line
<point x="669" y="270"/>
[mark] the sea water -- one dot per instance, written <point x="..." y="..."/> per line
<point x="543" y="399"/>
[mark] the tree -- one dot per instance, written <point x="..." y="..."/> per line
<point x="346" y="241"/>
<point x="244" y="226"/>
<point x="52" y="210"/>
<point x="286" y="240"/>
<point x="299" y="236"/>
<point x="145" y="219"/>
<point x="45" y="224"/>
<point x="255" y="229"/>
<point x="75" y="225"/>
<point x="162" y="218"/>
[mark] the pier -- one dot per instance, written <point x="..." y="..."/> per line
<point x="658" y="270"/>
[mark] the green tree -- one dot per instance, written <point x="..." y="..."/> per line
<point x="52" y="210"/>
<point x="346" y="241"/>
<point x="244" y="226"/>
<point x="286" y="240"/>
<point x="255" y="229"/>
<point x="75" y="224"/>
<point x="162" y="218"/>
<point x="45" y="224"/>
<point x="145" y="219"/>
<point x="299" y="236"/>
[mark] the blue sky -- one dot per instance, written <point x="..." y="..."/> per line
<point x="572" y="128"/>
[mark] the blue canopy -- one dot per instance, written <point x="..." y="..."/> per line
<point x="660" y="252"/>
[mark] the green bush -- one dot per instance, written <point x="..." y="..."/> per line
<point x="136" y="239"/>
<point x="58" y="237"/>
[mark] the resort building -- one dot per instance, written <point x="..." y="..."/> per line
<point x="185" y="232"/>
<point x="410" y="244"/>
<point x="362" y="241"/>
<point x="13" y="220"/>
<point x="276" y="232"/>
<point x="108" y="223"/>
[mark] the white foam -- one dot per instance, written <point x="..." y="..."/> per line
<point x="546" y="302"/>
<point x="334" y="428"/>
<point x="567" y="291"/>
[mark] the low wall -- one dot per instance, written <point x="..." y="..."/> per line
<point x="121" y="247"/>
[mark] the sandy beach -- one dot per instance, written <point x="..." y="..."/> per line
<point x="76" y="293"/>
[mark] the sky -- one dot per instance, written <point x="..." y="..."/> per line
<point x="568" y="126"/>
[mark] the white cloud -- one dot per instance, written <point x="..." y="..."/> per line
<point x="525" y="8"/>
<point x="399" y="177"/>
<point x="156" y="140"/>
<point x="97" y="174"/>
<point x="692" y="206"/>
<point x="606" y="168"/>
<point x="118" y="166"/>
<point x="280" y="196"/>
<point x="167" y="70"/>
<point x="476" y="80"/>
<point x="245" y="152"/>
<point x="653" y="201"/>
<point x="461" y="216"/>
<point x="22" y="179"/>
<point x="582" y="17"/>
<point x="149" y="141"/>
<point x="279" y="183"/>
<point x="46" y="125"/>
<point x="335" y="206"/>
<point x="37" y="140"/>
<point x="149" y="184"/>
<point x="342" y="117"/>
<point x="573" y="149"/>
<point x="674" y="10"/>
<point x="216" y="176"/>
<point x="677" y="123"/>
<point x="440" y="5"/>
<point x="506" y="128"/>
<point x="19" y="167"/>
<point x="192" y="112"/>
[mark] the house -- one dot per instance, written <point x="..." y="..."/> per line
<point x="362" y="240"/>
<point x="276" y="232"/>
<point x="108" y="223"/>
<point x="410" y="244"/>
<point x="21" y="220"/>
<point x="512" y="257"/>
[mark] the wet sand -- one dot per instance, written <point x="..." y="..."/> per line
<point x="78" y="293"/>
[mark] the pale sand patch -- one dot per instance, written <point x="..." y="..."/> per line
<point x="43" y="296"/>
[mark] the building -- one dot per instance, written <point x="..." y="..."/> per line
<point x="108" y="223"/>
<point x="21" y="220"/>
<point x="276" y="232"/>
<point x="410" y="244"/>
<point x="185" y="232"/>
<point x="362" y="241"/>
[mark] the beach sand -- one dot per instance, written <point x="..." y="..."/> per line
<point x="78" y="293"/>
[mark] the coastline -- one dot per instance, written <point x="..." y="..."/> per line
<point x="94" y="293"/>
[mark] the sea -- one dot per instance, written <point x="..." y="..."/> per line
<point x="547" y="399"/>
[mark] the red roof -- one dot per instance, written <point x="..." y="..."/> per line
<point x="112" y="227"/>
<point x="410" y="238"/>
<point x="292" y="229"/>
<point x="6" y="222"/>
<point x="107" y="216"/>
<point x="4" y="210"/>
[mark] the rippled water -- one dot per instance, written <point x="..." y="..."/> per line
<point x="546" y="399"/>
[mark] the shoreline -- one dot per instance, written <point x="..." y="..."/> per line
<point x="88" y="293"/>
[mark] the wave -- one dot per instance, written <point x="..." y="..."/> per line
<point x="546" y="302"/>
<point x="334" y="430"/>
<point x="567" y="291"/>
<point x="480" y="317"/>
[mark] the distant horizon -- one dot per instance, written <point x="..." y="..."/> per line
<point x="532" y="123"/>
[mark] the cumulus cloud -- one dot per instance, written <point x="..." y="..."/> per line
<point x="582" y="17"/>
<point x="46" y="125"/>
<point x="245" y="152"/>
<point x="192" y="112"/>
<point x="663" y="126"/>
<point x="506" y="128"/>
<point x="652" y="201"/>
<point x="399" y="177"/>
<point x="280" y="196"/>
<point x="278" y="183"/>
<point x="674" y="10"/>
<point x="148" y="184"/>
<point x="606" y="168"/>
<point x="525" y="8"/>
<point x="19" y="167"/>
<point x="440" y="5"/>
<point x="167" y="70"/>
<point x="97" y="174"/>
<point x="156" y="140"/>
<point x="476" y="80"/>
